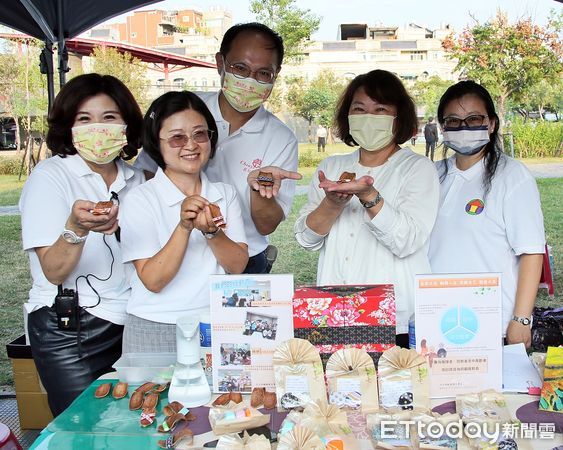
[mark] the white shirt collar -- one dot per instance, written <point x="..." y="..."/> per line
<point x="254" y="125"/>
<point x="476" y="170"/>
<point x="78" y="166"/>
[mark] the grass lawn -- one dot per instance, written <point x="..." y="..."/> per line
<point x="10" y="189"/>
<point x="15" y="280"/>
<point x="15" y="283"/>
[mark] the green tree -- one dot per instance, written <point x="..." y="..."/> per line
<point x="427" y="93"/>
<point x="293" y="24"/>
<point x="130" y="70"/>
<point x="315" y="102"/>
<point x="23" y="87"/>
<point x="507" y="58"/>
<point x="545" y="96"/>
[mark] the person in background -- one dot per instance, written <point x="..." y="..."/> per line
<point x="95" y="124"/>
<point x="373" y="229"/>
<point x="321" y="138"/>
<point x="490" y="217"/>
<point x="250" y="138"/>
<point x="413" y="138"/>
<point x="431" y="137"/>
<point x="168" y="230"/>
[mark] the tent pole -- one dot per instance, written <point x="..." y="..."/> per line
<point x="61" y="51"/>
<point x="46" y="67"/>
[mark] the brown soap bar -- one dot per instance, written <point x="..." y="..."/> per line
<point x="102" y="390"/>
<point x="102" y="208"/>
<point x="265" y="178"/>
<point x="270" y="400"/>
<point x="218" y="218"/>
<point x="120" y="390"/>
<point x="346" y="177"/>
<point x="223" y="399"/>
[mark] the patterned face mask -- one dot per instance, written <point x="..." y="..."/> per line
<point x="245" y="94"/>
<point x="371" y="131"/>
<point x="99" y="143"/>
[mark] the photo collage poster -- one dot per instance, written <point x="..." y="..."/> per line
<point x="250" y="316"/>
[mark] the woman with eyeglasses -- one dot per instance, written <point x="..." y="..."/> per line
<point x="373" y="227"/>
<point x="171" y="231"/>
<point x="490" y="217"/>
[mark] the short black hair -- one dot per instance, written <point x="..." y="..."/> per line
<point x="493" y="147"/>
<point x="387" y="89"/>
<point x="74" y="93"/>
<point x="235" y="30"/>
<point x="163" y="107"/>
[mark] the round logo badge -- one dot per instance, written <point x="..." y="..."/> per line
<point x="475" y="207"/>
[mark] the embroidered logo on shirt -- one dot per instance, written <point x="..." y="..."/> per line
<point x="475" y="207"/>
<point x="250" y="166"/>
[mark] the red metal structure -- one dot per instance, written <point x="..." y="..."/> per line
<point x="162" y="61"/>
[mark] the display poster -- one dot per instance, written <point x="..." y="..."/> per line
<point x="250" y="316"/>
<point x="458" y="327"/>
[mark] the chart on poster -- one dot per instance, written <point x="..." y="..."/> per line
<point x="464" y="352"/>
<point x="250" y="316"/>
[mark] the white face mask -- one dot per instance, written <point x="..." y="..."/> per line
<point x="466" y="141"/>
<point x="371" y="131"/>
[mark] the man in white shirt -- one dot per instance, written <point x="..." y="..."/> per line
<point x="251" y="139"/>
<point x="321" y="138"/>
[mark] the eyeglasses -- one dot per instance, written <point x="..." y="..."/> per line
<point x="180" y="140"/>
<point x="474" y="121"/>
<point x="241" y="70"/>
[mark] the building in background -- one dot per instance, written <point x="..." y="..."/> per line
<point x="192" y="33"/>
<point x="412" y="52"/>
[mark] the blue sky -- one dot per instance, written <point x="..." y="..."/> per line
<point x="430" y="13"/>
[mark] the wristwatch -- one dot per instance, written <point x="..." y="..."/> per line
<point x="373" y="202"/>
<point x="72" y="238"/>
<point x="210" y="234"/>
<point x="522" y="320"/>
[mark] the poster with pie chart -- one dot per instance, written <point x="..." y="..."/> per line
<point x="458" y="329"/>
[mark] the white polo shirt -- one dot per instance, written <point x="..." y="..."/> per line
<point x="149" y="216"/>
<point x="263" y="141"/>
<point x="45" y="204"/>
<point x="390" y="248"/>
<point x="474" y="233"/>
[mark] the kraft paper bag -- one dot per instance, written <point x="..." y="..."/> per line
<point x="425" y="440"/>
<point x="247" y="442"/>
<point x="403" y="380"/>
<point x="401" y="440"/>
<point x="352" y="380"/>
<point x="300" y="439"/>
<point x="299" y="374"/>
<point x="330" y="423"/>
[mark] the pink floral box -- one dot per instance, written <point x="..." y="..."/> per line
<point x="333" y="317"/>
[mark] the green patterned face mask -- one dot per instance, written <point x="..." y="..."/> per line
<point x="99" y="143"/>
<point x="371" y="131"/>
<point x="245" y="94"/>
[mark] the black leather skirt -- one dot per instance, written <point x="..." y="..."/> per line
<point x="64" y="370"/>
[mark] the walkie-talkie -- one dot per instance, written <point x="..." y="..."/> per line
<point x="66" y="307"/>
